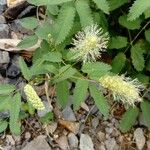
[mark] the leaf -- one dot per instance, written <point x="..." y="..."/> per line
<point x="138" y="7"/>
<point x="3" y="125"/>
<point x="100" y="100"/>
<point x="24" y="69"/>
<point x="62" y="92"/>
<point x="103" y="5"/>
<point x="53" y="9"/>
<point x="80" y="93"/>
<point x="147" y="35"/>
<point x="64" y="23"/>
<point x="96" y="70"/>
<point x="137" y="57"/>
<point x="114" y="4"/>
<point x="14" y="114"/>
<point x="29" y="22"/>
<point x="84" y="12"/>
<point x="118" y="42"/>
<point x="147" y="13"/>
<point x="5" y="103"/>
<point x="118" y="63"/>
<point x="148" y="65"/>
<point x="143" y="78"/>
<point x="6" y="89"/>
<point x="132" y="25"/>
<point x="28" y="41"/>
<point x="48" y="2"/>
<point x="145" y="106"/>
<point x="47" y="118"/>
<point x="128" y="119"/>
<point x="53" y="57"/>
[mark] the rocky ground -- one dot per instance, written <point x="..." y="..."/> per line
<point x="84" y="130"/>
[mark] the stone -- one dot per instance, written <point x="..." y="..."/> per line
<point x="101" y="136"/>
<point x="4" y="31"/>
<point x="10" y="140"/>
<point x="110" y="144"/>
<point x="52" y="127"/>
<point x="3" y="5"/>
<point x="13" y="71"/>
<point x="4" y="59"/>
<point x="95" y="122"/>
<point x="148" y="145"/>
<point x="63" y="142"/>
<point x="139" y="138"/>
<point x="86" y="142"/>
<point x="4" y="114"/>
<point x="73" y="140"/>
<point x="2" y="19"/>
<point x="27" y="135"/>
<point x="42" y="113"/>
<point x="38" y="143"/>
<point x="68" y="114"/>
<point x="109" y="130"/>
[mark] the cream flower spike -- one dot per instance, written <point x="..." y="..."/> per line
<point x="89" y="43"/>
<point x="123" y="88"/>
<point x="33" y="98"/>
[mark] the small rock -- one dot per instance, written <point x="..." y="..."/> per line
<point x="86" y="142"/>
<point x="101" y="136"/>
<point x="3" y="5"/>
<point x="42" y="113"/>
<point x="110" y="144"/>
<point x="148" y="145"/>
<point x="63" y="142"/>
<point x="4" y="31"/>
<point x="4" y="59"/>
<point x="139" y="138"/>
<point x="13" y="71"/>
<point x="109" y="130"/>
<point x="2" y="19"/>
<point x="27" y="135"/>
<point x="95" y="122"/>
<point x="68" y="114"/>
<point x="73" y="141"/>
<point x="38" y="143"/>
<point x="52" y="127"/>
<point x="10" y="140"/>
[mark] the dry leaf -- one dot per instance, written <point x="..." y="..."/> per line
<point x="11" y="3"/>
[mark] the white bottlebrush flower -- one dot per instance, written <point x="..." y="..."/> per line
<point x="89" y="43"/>
<point x="123" y="88"/>
<point x="33" y="98"/>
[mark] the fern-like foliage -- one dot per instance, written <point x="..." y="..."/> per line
<point x="64" y="23"/>
<point x="84" y="11"/>
<point x="138" y="7"/>
<point x="103" y="5"/>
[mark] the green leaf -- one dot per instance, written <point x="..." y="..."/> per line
<point x="48" y="2"/>
<point x="143" y="78"/>
<point x="118" y="42"/>
<point x="100" y="100"/>
<point x="14" y="114"/>
<point x="147" y="13"/>
<point x="6" y="89"/>
<point x="24" y="69"/>
<point x="3" y="125"/>
<point x="114" y="4"/>
<point x="145" y="106"/>
<point x="5" y="103"/>
<point x="46" y="119"/>
<point x="118" y="63"/>
<point x="85" y="13"/>
<point x="137" y="57"/>
<point x="103" y="5"/>
<point x="128" y="119"/>
<point x="147" y="35"/>
<point x="80" y="93"/>
<point x="53" y="9"/>
<point x="64" y="23"/>
<point x="148" y="65"/>
<point x="138" y="7"/>
<point x="62" y="92"/>
<point x="53" y="57"/>
<point x="28" y="41"/>
<point x="29" y="22"/>
<point x="132" y="25"/>
<point x="96" y="70"/>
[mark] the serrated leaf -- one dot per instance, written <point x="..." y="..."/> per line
<point x="80" y="92"/>
<point x="147" y="13"/>
<point x="85" y="13"/>
<point x="5" y="103"/>
<point x="118" y="42"/>
<point x="103" y="5"/>
<point x="100" y="100"/>
<point x="3" y="125"/>
<point x="114" y="4"/>
<point x="52" y="57"/>
<point x="128" y="119"/>
<point x="47" y="2"/>
<point x="132" y="25"/>
<point x="147" y="35"/>
<point x="14" y="114"/>
<point x="6" y="88"/>
<point x="29" y="22"/>
<point x="138" y="7"/>
<point x="24" y="69"/>
<point x="118" y="63"/>
<point x="64" y="23"/>
<point x="137" y="57"/>
<point x="143" y="78"/>
<point x="96" y="70"/>
<point x="53" y="9"/>
<point x="62" y="92"/>
<point x="145" y="106"/>
<point x="28" y="41"/>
